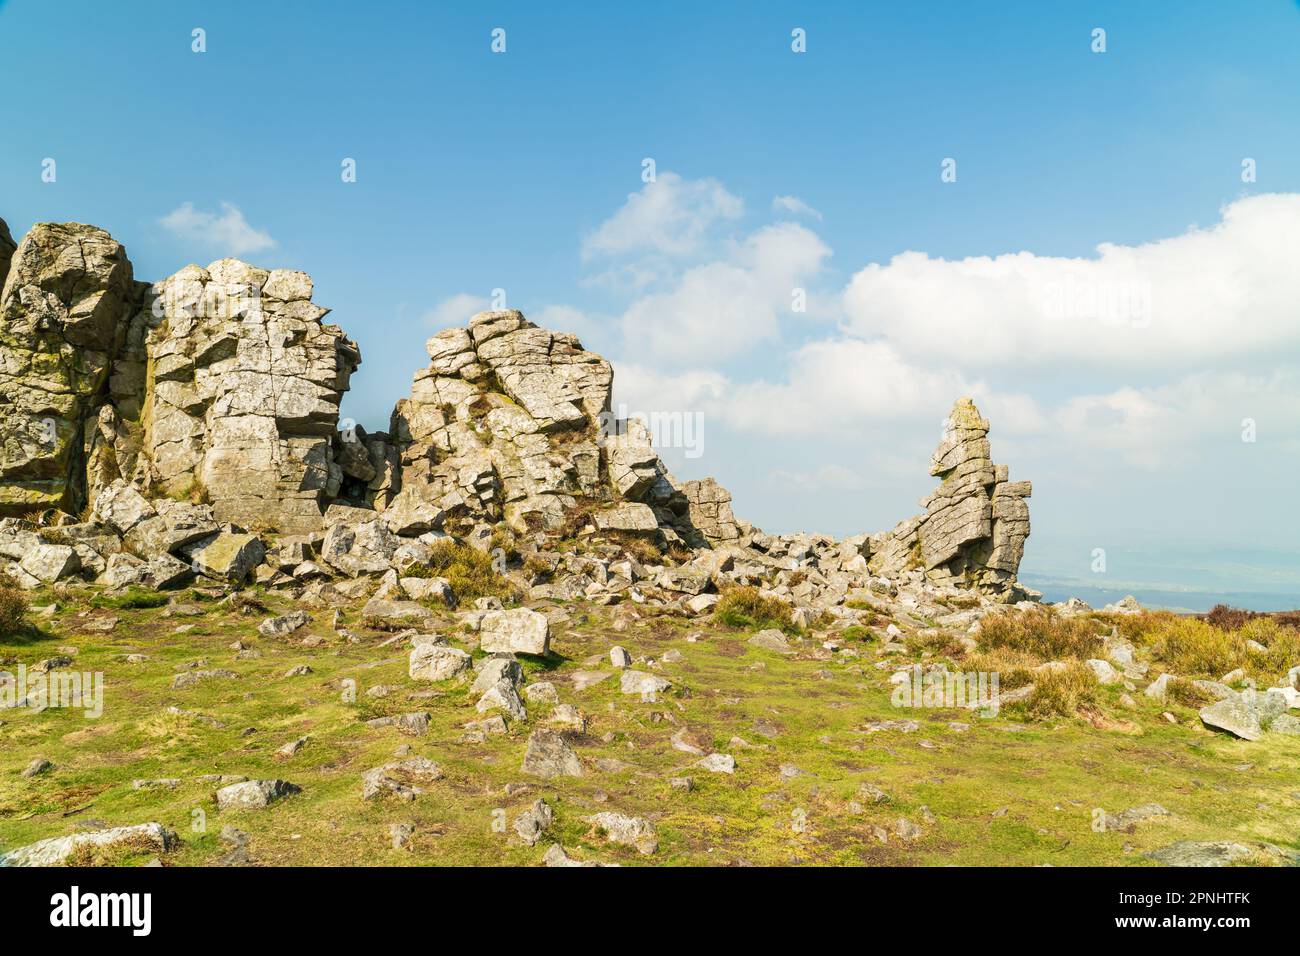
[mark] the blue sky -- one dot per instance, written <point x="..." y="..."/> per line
<point x="479" y="171"/>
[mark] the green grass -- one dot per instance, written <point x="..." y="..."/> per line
<point x="817" y="714"/>
<point x="131" y="598"/>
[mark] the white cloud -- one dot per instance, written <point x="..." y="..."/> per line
<point x="1198" y="417"/>
<point x="1227" y="292"/>
<point x="670" y="217"/>
<point x="838" y="386"/>
<point x="455" y="310"/>
<point x="641" y="388"/>
<point x="564" y="318"/>
<point x="826" y="478"/>
<point x="725" y="307"/>
<point x="795" y="206"/>
<point x="842" y="388"/>
<point x="1126" y="409"/>
<point x="227" y="232"/>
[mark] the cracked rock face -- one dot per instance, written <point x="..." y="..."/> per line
<point x="66" y="289"/>
<point x="975" y="523"/>
<point x="241" y="390"/>
<point x="502" y="424"/>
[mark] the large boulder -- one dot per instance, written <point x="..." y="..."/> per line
<point x="121" y="506"/>
<point x="549" y="755"/>
<point x="1234" y="716"/>
<point x="48" y="563"/>
<point x="357" y="547"/>
<point x="517" y="631"/>
<point x="384" y="614"/>
<point x="226" y="554"/>
<point x="176" y="525"/>
<point x="630" y="516"/>
<point x="435" y="662"/>
<point x="254" y="794"/>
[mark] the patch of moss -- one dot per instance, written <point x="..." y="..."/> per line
<point x="132" y="597"/>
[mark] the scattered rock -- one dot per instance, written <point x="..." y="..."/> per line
<point x="56" y="850"/>
<point x="517" y="631"/>
<point x="1194" y="853"/>
<point x="401" y="834"/>
<point x="292" y="747"/>
<point x="1129" y="818"/>
<point x="628" y="831"/>
<point x="254" y="794"/>
<point x="191" y="678"/>
<point x="549" y="755"/>
<point x="388" y="615"/>
<point x="771" y="640"/>
<point x="434" y="662"/>
<point x="584" y="679"/>
<point x="646" y="685"/>
<point x="532" y="823"/>
<point x="284" y="625"/>
<point x="543" y="692"/>
<point x="718" y="763"/>
<point x="556" y="857"/>
<point x="405" y="779"/>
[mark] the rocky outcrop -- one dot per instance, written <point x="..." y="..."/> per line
<point x="501" y="425"/>
<point x="218" y="384"/>
<point x="975" y="523"/>
<point x="195" y="425"/>
<point x="709" y="508"/>
<point x="239" y="396"/>
<point x="68" y="287"/>
<point x="511" y="422"/>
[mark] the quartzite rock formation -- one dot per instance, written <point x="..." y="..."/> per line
<point x="975" y="523"/>
<point x="193" y="425"/>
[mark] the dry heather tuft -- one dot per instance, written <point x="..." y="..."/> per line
<point x="1042" y="633"/>
<point x="1061" y="692"/>
<point x="470" y="572"/>
<point x="746" y="607"/>
<point x="1194" y="647"/>
<point x="13" y="606"/>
